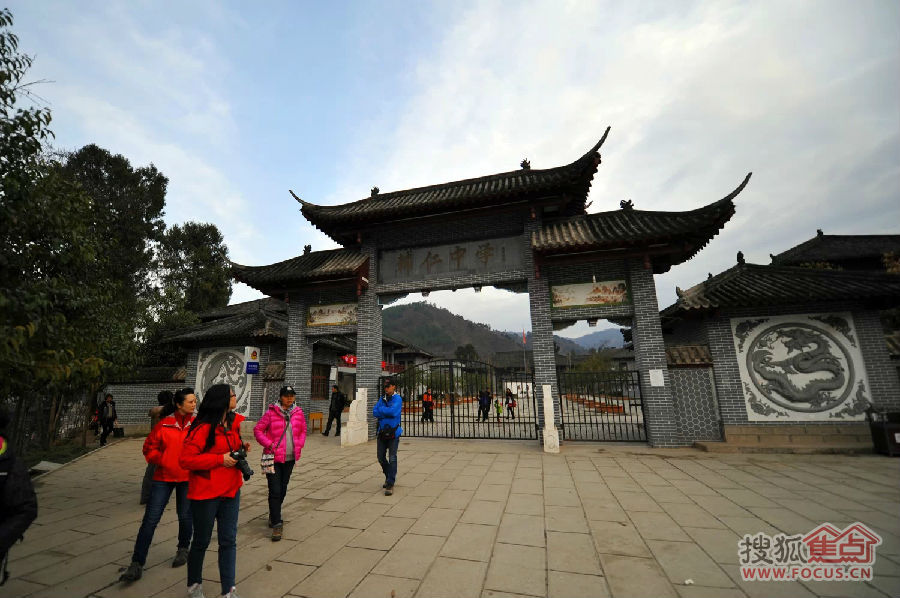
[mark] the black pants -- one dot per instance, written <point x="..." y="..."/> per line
<point x="147" y="484"/>
<point x="278" y="483"/>
<point x="428" y="412"/>
<point x="332" y="416"/>
<point x="107" y="430"/>
<point x="483" y="413"/>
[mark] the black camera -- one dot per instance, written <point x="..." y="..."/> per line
<point x="240" y="456"/>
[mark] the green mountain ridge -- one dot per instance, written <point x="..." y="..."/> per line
<point x="439" y="331"/>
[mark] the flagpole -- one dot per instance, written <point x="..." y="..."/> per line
<point x="524" y="354"/>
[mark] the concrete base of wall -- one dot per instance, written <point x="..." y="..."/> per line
<point x="799" y="438"/>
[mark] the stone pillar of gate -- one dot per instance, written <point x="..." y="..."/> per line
<point x="368" y="340"/>
<point x="543" y="350"/>
<point x="298" y="360"/>
<point x="650" y="360"/>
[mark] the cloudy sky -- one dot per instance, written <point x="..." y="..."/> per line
<point x="238" y="102"/>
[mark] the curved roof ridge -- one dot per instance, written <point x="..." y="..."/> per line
<point x="446" y="186"/>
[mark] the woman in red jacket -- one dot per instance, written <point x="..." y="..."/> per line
<point x="162" y="448"/>
<point x="214" y="488"/>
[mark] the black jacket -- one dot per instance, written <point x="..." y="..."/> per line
<point x="102" y="409"/>
<point x="337" y="401"/>
<point x="18" y="502"/>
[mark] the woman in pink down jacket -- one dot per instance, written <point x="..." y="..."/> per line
<point x="281" y="431"/>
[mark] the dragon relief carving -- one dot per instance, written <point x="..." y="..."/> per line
<point x="760" y="407"/>
<point x="839" y="324"/>
<point x="744" y="328"/>
<point x="795" y="367"/>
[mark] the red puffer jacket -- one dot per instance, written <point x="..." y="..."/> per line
<point x="163" y="448"/>
<point x="209" y="478"/>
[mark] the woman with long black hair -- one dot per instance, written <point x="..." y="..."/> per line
<point x="162" y="449"/>
<point x="214" y="488"/>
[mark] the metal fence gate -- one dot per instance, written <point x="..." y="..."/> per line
<point x="602" y="406"/>
<point x="455" y="387"/>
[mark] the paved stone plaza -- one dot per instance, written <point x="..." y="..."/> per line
<point x="474" y="518"/>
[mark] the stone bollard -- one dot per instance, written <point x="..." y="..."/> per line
<point x="551" y="434"/>
<point x="356" y="430"/>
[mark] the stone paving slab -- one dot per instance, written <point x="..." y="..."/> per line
<point x="474" y="518"/>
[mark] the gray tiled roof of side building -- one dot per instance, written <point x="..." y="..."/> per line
<point x="760" y="285"/>
<point x="826" y="248"/>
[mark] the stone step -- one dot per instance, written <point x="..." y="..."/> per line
<point x="796" y="449"/>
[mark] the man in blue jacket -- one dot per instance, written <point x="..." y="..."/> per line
<point x="387" y="412"/>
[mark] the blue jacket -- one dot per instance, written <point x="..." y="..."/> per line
<point x="387" y="412"/>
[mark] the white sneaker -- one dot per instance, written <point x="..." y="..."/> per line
<point x="231" y="594"/>
<point x="196" y="591"/>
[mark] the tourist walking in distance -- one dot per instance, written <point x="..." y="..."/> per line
<point x="335" y="409"/>
<point x="484" y="405"/>
<point x="18" y="502"/>
<point x="428" y="406"/>
<point x="163" y="402"/>
<point x="510" y="404"/>
<point x="214" y="488"/>
<point x="162" y="449"/>
<point x="108" y="417"/>
<point x="387" y="411"/>
<point x="282" y="433"/>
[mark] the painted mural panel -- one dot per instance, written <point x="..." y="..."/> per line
<point x="225" y="366"/>
<point x="472" y="257"/>
<point x="331" y="315"/>
<point x="590" y="294"/>
<point x="803" y="367"/>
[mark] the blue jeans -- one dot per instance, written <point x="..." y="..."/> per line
<point x="278" y="483"/>
<point x="389" y="461"/>
<point x="224" y="512"/>
<point x="156" y="505"/>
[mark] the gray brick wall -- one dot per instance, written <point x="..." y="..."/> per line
<point x="542" y="336"/>
<point x="298" y="362"/>
<point x="696" y="409"/>
<point x="134" y="400"/>
<point x="650" y="353"/>
<point x="368" y="338"/>
<point x="883" y="380"/>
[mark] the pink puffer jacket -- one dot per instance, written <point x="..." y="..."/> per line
<point x="270" y="429"/>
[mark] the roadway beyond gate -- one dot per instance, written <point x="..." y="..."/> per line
<point x="602" y="406"/>
<point x="455" y="387"/>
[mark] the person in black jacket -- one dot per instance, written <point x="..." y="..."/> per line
<point x="334" y="410"/>
<point x="108" y="417"/>
<point x="18" y="502"/>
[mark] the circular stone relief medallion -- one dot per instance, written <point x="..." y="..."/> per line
<point x="801" y="367"/>
<point x="226" y="367"/>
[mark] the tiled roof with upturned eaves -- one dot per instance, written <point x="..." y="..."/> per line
<point x="572" y="180"/>
<point x="313" y="266"/>
<point x="747" y="285"/>
<point x="259" y="324"/>
<point x="235" y="309"/>
<point x="623" y="228"/>
<point x="837" y="248"/>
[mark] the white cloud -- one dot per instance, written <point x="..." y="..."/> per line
<point x="803" y="94"/>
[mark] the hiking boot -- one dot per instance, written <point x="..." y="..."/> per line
<point x="180" y="557"/>
<point x="196" y="591"/>
<point x="388" y="490"/>
<point x="133" y="572"/>
<point x="276" y="533"/>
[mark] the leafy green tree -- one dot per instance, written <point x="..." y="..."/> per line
<point x="193" y="271"/>
<point x="51" y="342"/>
<point x="597" y="361"/>
<point x="466" y="353"/>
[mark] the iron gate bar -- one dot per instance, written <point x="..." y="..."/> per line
<point x="455" y="387"/>
<point x="602" y="406"/>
